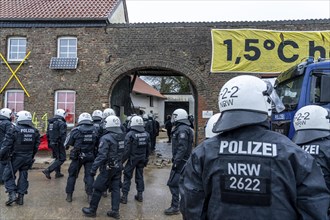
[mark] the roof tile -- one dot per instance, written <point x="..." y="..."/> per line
<point x="142" y="87"/>
<point x="56" y="9"/>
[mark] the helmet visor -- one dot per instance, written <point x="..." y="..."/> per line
<point x="277" y="104"/>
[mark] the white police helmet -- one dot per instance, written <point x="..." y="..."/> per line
<point x="85" y="118"/>
<point x="107" y="112"/>
<point x="97" y="114"/>
<point x="210" y="124"/>
<point x="180" y="115"/>
<point x="145" y="117"/>
<point x="137" y="123"/>
<point x="24" y="117"/>
<point x="112" y="123"/>
<point x="243" y="100"/>
<point x="6" y="112"/>
<point x="311" y="122"/>
<point x="60" y="112"/>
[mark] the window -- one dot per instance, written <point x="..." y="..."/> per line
<point x="151" y="101"/>
<point x="67" y="47"/>
<point x="14" y="100"/>
<point x="66" y="99"/>
<point x="16" y="48"/>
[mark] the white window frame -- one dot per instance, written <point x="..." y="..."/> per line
<point x="59" y="47"/>
<point x="16" y="91"/>
<point x="55" y="105"/>
<point x="9" y="51"/>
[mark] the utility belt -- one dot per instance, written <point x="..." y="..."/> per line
<point x="112" y="165"/>
<point x="77" y="154"/>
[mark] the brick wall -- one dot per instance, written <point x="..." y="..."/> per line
<point x="107" y="54"/>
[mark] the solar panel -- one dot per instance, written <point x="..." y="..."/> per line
<point x="58" y="63"/>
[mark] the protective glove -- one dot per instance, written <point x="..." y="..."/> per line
<point x="92" y="173"/>
<point x="146" y="162"/>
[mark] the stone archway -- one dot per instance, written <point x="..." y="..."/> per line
<point x="178" y="66"/>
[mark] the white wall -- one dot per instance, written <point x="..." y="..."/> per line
<point x="143" y="102"/>
<point x="183" y="98"/>
<point x="119" y="15"/>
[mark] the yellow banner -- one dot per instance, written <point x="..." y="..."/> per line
<point x="265" y="51"/>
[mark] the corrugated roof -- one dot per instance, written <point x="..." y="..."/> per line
<point x="56" y="9"/>
<point x="142" y="87"/>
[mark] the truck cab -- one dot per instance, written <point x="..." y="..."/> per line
<point x="307" y="83"/>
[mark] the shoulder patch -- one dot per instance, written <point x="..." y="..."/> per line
<point x="182" y="135"/>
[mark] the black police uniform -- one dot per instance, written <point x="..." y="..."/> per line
<point x="137" y="149"/>
<point x="151" y="129"/>
<point x="182" y="140"/>
<point x="83" y="138"/>
<point x="5" y="125"/>
<point x="21" y="142"/>
<point x="320" y="150"/>
<point x="99" y="124"/>
<point x="110" y="154"/>
<point x="56" y="134"/>
<point x="252" y="173"/>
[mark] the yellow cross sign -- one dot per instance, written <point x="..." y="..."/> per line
<point x="14" y="73"/>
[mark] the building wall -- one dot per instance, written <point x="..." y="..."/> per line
<point x="106" y="54"/>
<point x="143" y="101"/>
<point x="119" y="14"/>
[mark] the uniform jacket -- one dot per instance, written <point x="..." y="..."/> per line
<point x="111" y="150"/>
<point x="137" y="145"/>
<point x="182" y="140"/>
<point x="56" y="130"/>
<point x="253" y="173"/>
<point x="5" y="125"/>
<point x="22" y="141"/>
<point x="320" y="150"/>
<point x="83" y="138"/>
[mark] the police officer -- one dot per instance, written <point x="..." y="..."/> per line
<point x="19" y="148"/>
<point x="5" y="125"/>
<point x="182" y="140"/>
<point x="107" y="112"/>
<point x="210" y="124"/>
<point x="56" y="134"/>
<point x="111" y="150"/>
<point x="168" y="127"/>
<point x="137" y="149"/>
<point x="97" y="117"/>
<point x="248" y="171"/>
<point x="83" y="138"/>
<point x="150" y="127"/>
<point x="312" y="125"/>
<point x="126" y="124"/>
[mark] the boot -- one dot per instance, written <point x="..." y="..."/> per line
<point x="19" y="200"/>
<point x="89" y="198"/>
<point x="105" y="194"/>
<point x="89" y="212"/>
<point x="11" y="198"/>
<point x="123" y="198"/>
<point x="113" y="214"/>
<point x="139" y="197"/>
<point x="47" y="173"/>
<point x="69" y="197"/>
<point x="172" y="211"/>
<point x="58" y="175"/>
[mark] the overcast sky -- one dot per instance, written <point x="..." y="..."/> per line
<point x="223" y="10"/>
